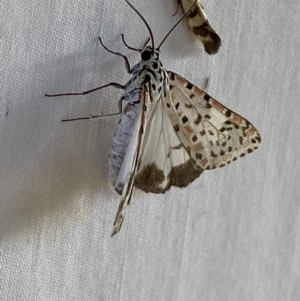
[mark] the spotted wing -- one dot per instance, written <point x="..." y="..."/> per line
<point x="212" y="134"/>
<point x="164" y="161"/>
<point x="200" y="26"/>
<point x="124" y="157"/>
<point x="123" y="148"/>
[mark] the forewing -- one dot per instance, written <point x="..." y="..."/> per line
<point x="200" y="26"/>
<point x="212" y="134"/>
<point x="124" y="146"/>
<point x="127" y="172"/>
<point x="164" y="161"/>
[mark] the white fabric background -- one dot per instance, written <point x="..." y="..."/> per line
<point x="231" y="235"/>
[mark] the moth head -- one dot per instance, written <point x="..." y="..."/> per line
<point x="148" y="54"/>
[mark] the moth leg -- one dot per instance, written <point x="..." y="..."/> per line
<point x="98" y="116"/>
<point x="113" y="84"/>
<point x="177" y="9"/>
<point x="127" y="65"/>
<point x="132" y="48"/>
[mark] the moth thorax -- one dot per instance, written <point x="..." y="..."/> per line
<point x="156" y="82"/>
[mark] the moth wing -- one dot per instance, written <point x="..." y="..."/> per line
<point x="200" y="26"/>
<point x="124" y="145"/>
<point x="164" y="161"/>
<point x="212" y="134"/>
<point x="129" y="160"/>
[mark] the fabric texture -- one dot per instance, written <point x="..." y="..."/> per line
<point x="233" y="234"/>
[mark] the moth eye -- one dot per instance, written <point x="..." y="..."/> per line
<point x="146" y="55"/>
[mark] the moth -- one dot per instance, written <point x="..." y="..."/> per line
<point x="170" y="131"/>
<point x="198" y="23"/>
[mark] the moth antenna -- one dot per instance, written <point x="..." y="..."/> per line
<point x="145" y="22"/>
<point x="175" y="25"/>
